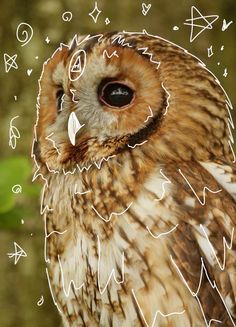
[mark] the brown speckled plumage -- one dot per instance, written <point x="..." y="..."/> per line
<point x="140" y="212"/>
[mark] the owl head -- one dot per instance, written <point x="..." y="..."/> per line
<point x="110" y="93"/>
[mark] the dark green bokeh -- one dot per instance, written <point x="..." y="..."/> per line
<point x="23" y="284"/>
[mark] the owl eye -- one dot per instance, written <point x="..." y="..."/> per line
<point x="59" y="99"/>
<point x="116" y="95"/>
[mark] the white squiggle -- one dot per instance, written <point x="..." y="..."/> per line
<point x="53" y="142"/>
<point x="195" y="294"/>
<point x="121" y="40"/>
<point x="167" y="100"/>
<point x="72" y="91"/>
<point x="167" y="181"/>
<point x="80" y="193"/>
<point x="78" y="66"/>
<point x="24" y="32"/>
<point x="19" y="252"/>
<point x="112" y="271"/>
<point x="56" y="232"/>
<point x="112" y="214"/>
<point x="113" y="54"/>
<point x="50" y="287"/>
<point x="137" y="144"/>
<point x="161" y="234"/>
<point x="68" y="172"/>
<point x="67" y="16"/>
<point x="40" y="301"/>
<point x="17" y="188"/>
<point x="51" y="170"/>
<point x="95" y="13"/>
<point x="99" y="164"/>
<point x="232" y="150"/>
<point x="71" y="282"/>
<point x="14" y="134"/>
<point x="145" y="52"/>
<point x="210" y="52"/>
<point x="150" y="116"/>
<point x="225" y="247"/>
<point x="156" y="313"/>
<point x="81" y="169"/>
<point x="203" y="191"/>
<point x="225" y="25"/>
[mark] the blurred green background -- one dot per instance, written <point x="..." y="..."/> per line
<point x="23" y="284"/>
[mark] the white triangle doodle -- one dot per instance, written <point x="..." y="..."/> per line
<point x="73" y="127"/>
<point x="77" y="65"/>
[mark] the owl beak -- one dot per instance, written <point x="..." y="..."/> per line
<point x="73" y="127"/>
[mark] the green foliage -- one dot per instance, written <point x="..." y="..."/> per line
<point x="15" y="170"/>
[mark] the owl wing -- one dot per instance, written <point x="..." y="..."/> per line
<point x="204" y="250"/>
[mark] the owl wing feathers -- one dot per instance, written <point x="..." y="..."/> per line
<point x="204" y="250"/>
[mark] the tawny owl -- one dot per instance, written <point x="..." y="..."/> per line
<point x="134" y="145"/>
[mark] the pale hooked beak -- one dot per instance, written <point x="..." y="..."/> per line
<point x="73" y="127"/>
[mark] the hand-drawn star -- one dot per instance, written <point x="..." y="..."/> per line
<point x="10" y="62"/>
<point x="19" y="252"/>
<point x="210" y="51"/>
<point x="95" y="13"/>
<point x="200" y="20"/>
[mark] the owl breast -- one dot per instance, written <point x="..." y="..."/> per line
<point x="110" y="262"/>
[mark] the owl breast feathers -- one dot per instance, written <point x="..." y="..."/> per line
<point x="134" y="146"/>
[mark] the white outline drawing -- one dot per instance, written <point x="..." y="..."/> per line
<point x="225" y="25"/>
<point x="27" y="36"/>
<point x="14" y="134"/>
<point x="77" y="66"/>
<point x="114" y="54"/>
<point x="205" y="188"/>
<point x="210" y="52"/>
<point x="99" y="164"/>
<point x="112" y="273"/>
<point x="10" y="62"/>
<point x="225" y="74"/>
<point x="161" y="234"/>
<point x="40" y="301"/>
<point x="17" y="188"/>
<point x="225" y="245"/>
<point x="167" y="181"/>
<point x="19" y="252"/>
<point x="145" y="52"/>
<point x="156" y="312"/>
<point x="112" y="214"/>
<point x="195" y="294"/>
<point x="72" y="91"/>
<point x="29" y="71"/>
<point x="95" y="13"/>
<point x="71" y="282"/>
<point x="146" y="8"/>
<point x="137" y="144"/>
<point x="150" y="116"/>
<point x="50" y="287"/>
<point x="67" y="16"/>
<point x="53" y="142"/>
<point x="107" y="21"/>
<point x="190" y="22"/>
<point x="73" y="127"/>
<point x="120" y="39"/>
<point x="80" y="193"/>
<point x="167" y="100"/>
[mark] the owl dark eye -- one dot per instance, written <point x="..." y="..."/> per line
<point x="116" y="95"/>
<point x="59" y="99"/>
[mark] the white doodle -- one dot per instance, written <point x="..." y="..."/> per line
<point x="19" y="252"/>
<point x="225" y="25"/>
<point x="67" y="16"/>
<point x="51" y="291"/>
<point x="150" y="116"/>
<point x="47" y="40"/>
<point x="74" y="98"/>
<point x="195" y="293"/>
<point x="205" y="188"/>
<point x="167" y="181"/>
<point x="145" y="8"/>
<point x="22" y="221"/>
<point x="175" y="28"/>
<point x="10" y="62"/>
<point x="199" y="22"/>
<point x="29" y="71"/>
<point x="27" y="33"/>
<point x="95" y="13"/>
<point x="113" y="54"/>
<point x="40" y="301"/>
<point x="17" y="188"/>
<point x="156" y="313"/>
<point x="162" y="234"/>
<point x="210" y="52"/>
<point x="225" y="74"/>
<point x="73" y="127"/>
<point x="15" y="97"/>
<point x="107" y="21"/>
<point x="112" y="214"/>
<point x="112" y="271"/>
<point x="71" y="282"/>
<point x="222" y="48"/>
<point x="145" y="52"/>
<point x="77" y="65"/>
<point x="53" y="142"/>
<point x="137" y="144"/>
<point x="167" y="99"/>
<point x="14" y="133"/>
<point x="99" y="164"/>
<point x="80" y="193"/>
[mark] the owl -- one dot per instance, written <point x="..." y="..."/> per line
<point x="133" y="143"/>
